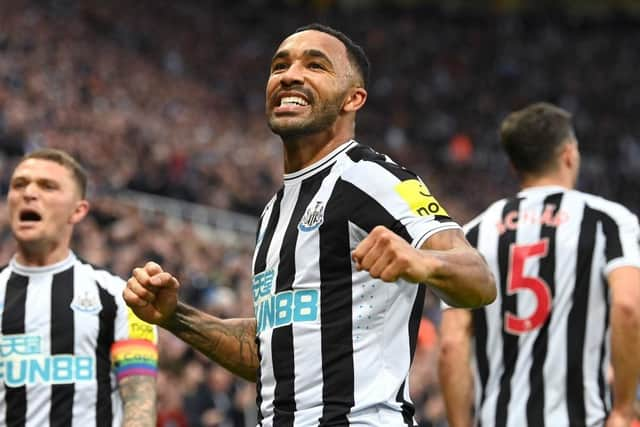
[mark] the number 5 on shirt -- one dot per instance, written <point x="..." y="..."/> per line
<point x="517" y="282"/>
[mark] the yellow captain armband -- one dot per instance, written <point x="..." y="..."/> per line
<point x="419" y="198"/>
<point x="139" y="329"/>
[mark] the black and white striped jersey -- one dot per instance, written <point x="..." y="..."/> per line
<point x="542" y="349"/>
<point x="335" y="344"/>
<point x="66" y="334"/>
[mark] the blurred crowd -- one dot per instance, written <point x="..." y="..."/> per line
<point x="167" y="98"/>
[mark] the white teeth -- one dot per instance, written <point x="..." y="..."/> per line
<point x="293" y="100"/>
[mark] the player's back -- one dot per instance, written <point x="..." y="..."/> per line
<point x="542" y="350"/>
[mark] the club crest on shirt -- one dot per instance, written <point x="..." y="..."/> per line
<point x="312" y="218"/>
<point x="86" y="303"/>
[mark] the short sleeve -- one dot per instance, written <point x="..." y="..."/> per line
<point x="392" y="196"/>
<point x="622" y="248"/>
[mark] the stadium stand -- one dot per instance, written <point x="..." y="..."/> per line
<point x="165" y="99"/>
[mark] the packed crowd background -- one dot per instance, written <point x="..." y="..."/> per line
<point x="166" y="98"/>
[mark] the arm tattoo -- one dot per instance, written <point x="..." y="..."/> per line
<point x="138" y="394"/>
<point x="229" y="342"/>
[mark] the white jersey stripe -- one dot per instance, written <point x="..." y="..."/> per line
<point x="39" y="396"/>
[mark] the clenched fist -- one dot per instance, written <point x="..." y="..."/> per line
<point x="389" y="257"/>
<point x="152" y="293"/>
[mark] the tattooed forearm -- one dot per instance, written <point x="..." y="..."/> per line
<point x="139" y="396"/>
<point x="229" y="342"/>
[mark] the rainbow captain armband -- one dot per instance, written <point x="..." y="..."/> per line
<point x="134" y="357"/>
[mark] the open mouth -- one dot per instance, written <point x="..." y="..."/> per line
<point x="293" y="101"/>
<point x="28" y="215"/>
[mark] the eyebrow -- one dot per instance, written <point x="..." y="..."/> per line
<point x="314" y="53"/>
<point x="20" y="178"/>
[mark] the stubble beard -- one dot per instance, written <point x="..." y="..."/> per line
<point x="317" y="122"/>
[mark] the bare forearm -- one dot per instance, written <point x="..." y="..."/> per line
<point x="625" y="347"/>
<point x="456" y="381"/>
<point x="139" y="396"/>
<point x="229" y="342"/>
<point x="454" y="370"/>
<point x="461" y="278"/>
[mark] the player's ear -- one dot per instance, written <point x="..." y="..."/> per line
<point x="355" y="99"/>
<point x="81" y="210"/>
<point x="570" y="156"/>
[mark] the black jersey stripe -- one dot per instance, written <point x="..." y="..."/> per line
<point x="479" y="320"/>
<point x="364" y="153"/>
<point x="578" y="318"/>
<point x="62" y="322"/>
<point x="15" y="302"/>
<point x="613" y="248"/>
<point x="106" y="337"/>
<point x="408" y="408"/>
<point x="373" y="215"/>
<point x="480" y="333"/>
<point x="265" y="242"/>
<point x="509" y="303"/>
<point x="13" y="323"/>
<point x="258" y="228"/>
<point x="62" y="342"/>
<point x="335" y="308"/>
<point x="284" y="403"/>
<point x="546" y="272"/>
<point x="472" y="235"/>
<point x="260" y="265"/>
<point x="259" y="414"/>
<point x="602" y="386"/>
<point x="282" y="338"/>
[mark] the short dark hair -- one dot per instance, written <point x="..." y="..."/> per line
<point x="355" y="52"/>
<point x="533" y="136"/>
<point x="64" y="159"/>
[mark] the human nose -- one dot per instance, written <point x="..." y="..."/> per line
<point x="292" y="75"/>
<point x="30" y="191"/>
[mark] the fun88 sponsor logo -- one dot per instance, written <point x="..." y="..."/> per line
<point x="23" y="363"/>
<point x="283" y="308"/>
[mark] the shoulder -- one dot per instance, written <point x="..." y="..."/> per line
<point x="269" y="204"/>
<point x="492" y="213"/>
<point x="363" y="164"/>
<point x="107" y="280"/>
<point x="5" y="268"/>
<point x="614" y="210"/>
<point x="5" y="273"/>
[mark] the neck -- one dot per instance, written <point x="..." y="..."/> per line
<point x="31" y="256"/>
<point x="561" y="180"/>
<point x="303" y="151"/>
